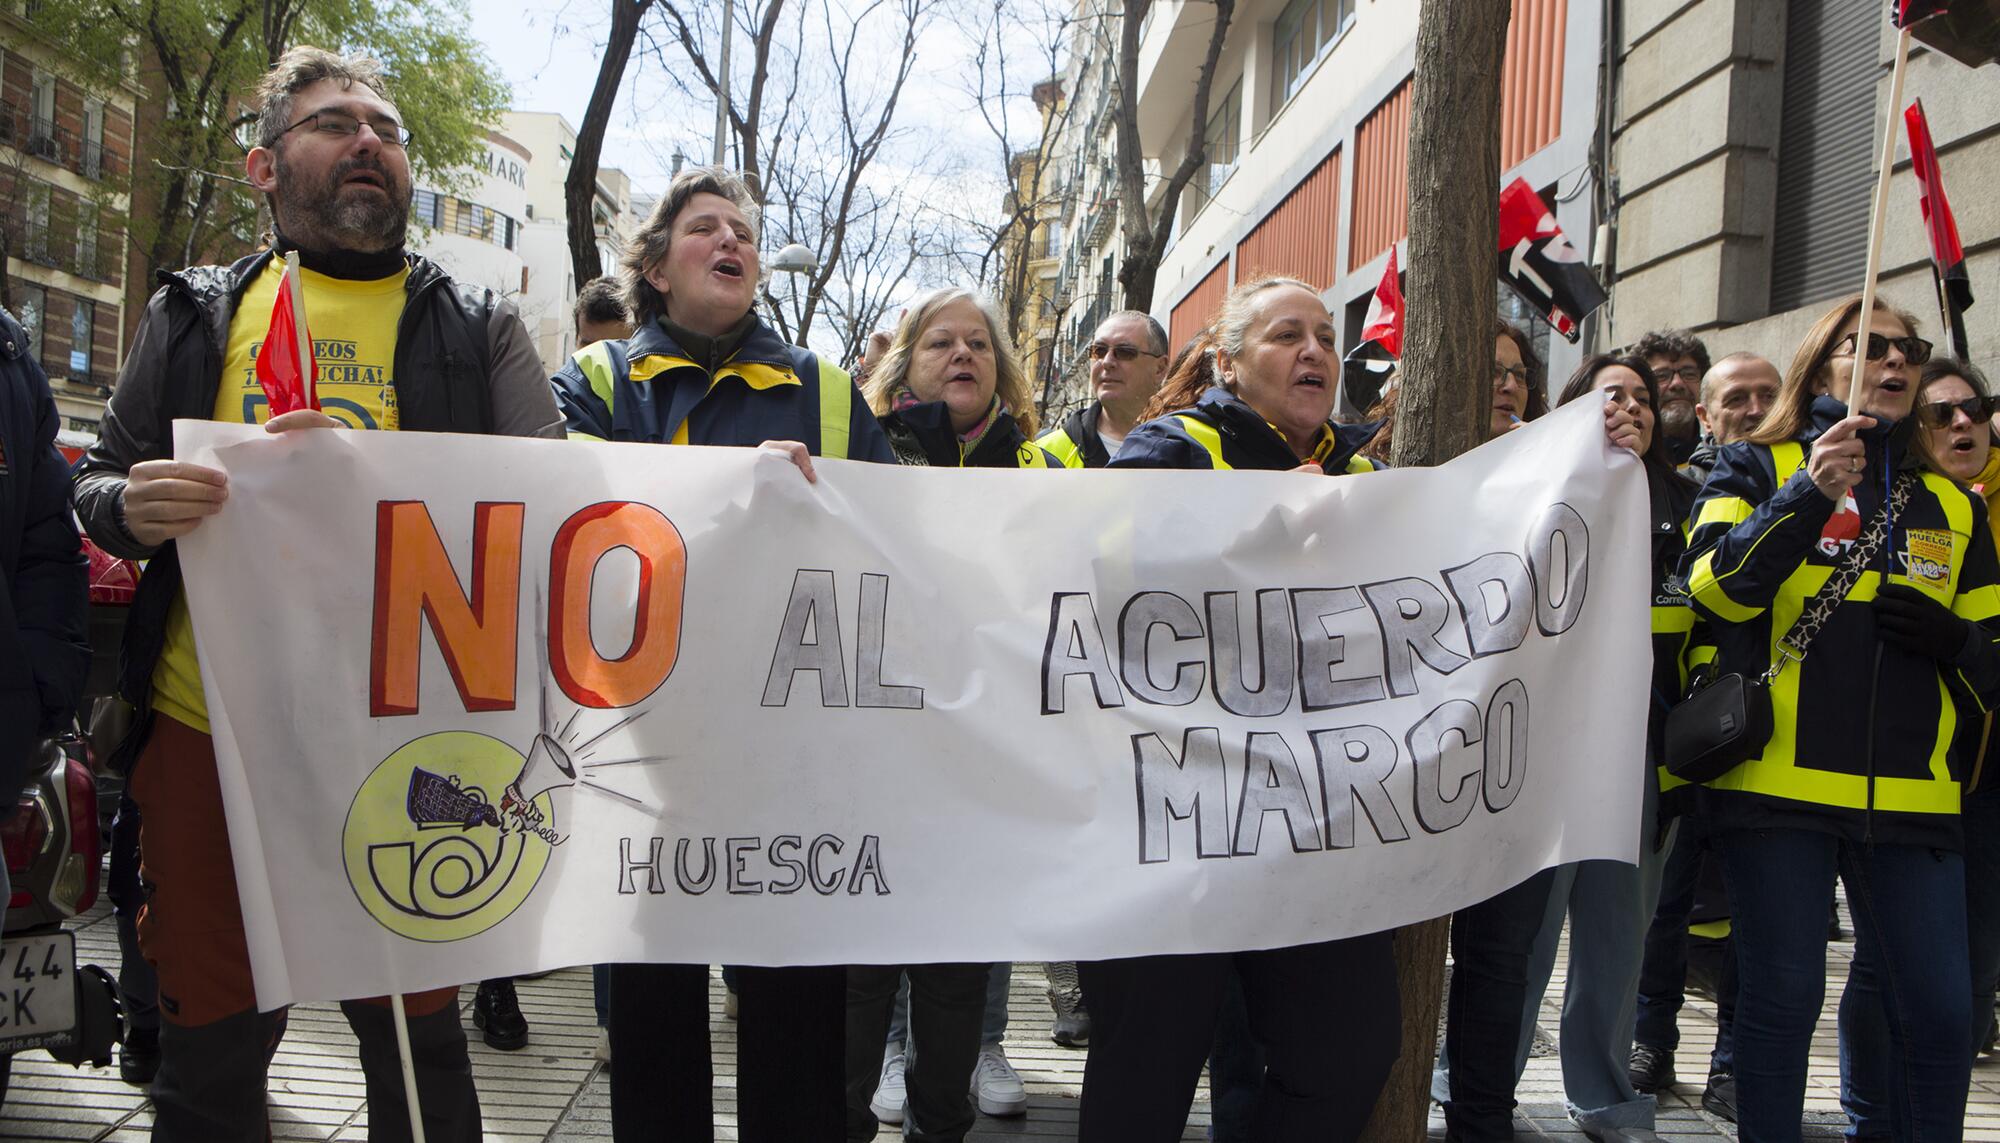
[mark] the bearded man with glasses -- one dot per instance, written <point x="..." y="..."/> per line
<point x="421" y="352"/>
<point x="1679" y="361"/>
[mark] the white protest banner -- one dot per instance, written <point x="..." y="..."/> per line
<point x="484" y="706"/>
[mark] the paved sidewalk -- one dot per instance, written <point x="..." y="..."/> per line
<point x="554" y="1092"/>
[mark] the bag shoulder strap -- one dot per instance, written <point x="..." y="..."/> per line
<point x="1793" y="644"/>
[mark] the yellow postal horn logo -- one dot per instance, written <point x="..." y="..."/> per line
<point x="451" y="832"/>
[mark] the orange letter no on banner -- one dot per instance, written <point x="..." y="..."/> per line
<point x="414" y="580"/>
<point x="588" y="536"/>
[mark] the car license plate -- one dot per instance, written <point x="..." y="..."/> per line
<point x="37" y="990"/>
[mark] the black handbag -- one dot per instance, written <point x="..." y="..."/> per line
<point x="1725" y="720"/>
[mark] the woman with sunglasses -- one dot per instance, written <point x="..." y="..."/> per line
<point x="1954" y="411"/>
<point x="1857" y="779"/>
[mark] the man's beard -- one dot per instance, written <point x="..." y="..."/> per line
<point x="1678" y="421"/>
<point x="316" y="215"/>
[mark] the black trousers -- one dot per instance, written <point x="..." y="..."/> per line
<point x="1490" y="945"/>
<point x="790" y="1041"/>
<point x="1328" y="1015"/>
<point x="947" y="1003"/>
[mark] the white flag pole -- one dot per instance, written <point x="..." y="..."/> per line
<point x="306" y="385"/>
<point x="409" y="1069"/>
<point x="1878" y="219"/>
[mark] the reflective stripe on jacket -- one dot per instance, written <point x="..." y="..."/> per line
<point x="1764" y="540"/>
<point x="648" y="389"/>
<point x="1221" y="431"/>
<point x="1076" y="444"/>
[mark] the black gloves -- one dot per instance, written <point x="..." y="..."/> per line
<point x="1907" y="618"/>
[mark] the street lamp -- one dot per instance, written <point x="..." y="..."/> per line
<point x="795" y="259"/>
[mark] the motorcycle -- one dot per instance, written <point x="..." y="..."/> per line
<point x="50" y="843"/>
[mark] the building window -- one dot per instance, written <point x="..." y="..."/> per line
<point x="79" y="338"/>
<point x="91" y="162"/>
<point x="1819" y="242"/>
<point x="86" y="241"/>
<point x="33" y="308"/>
<point x="35" y="232"/>
<point x="1052" y="238"/>
<point x="1221" y="142"/>
<point x="1302" y="31"/>
<point x="426" y="208"/>
<point x="42" y="119"/>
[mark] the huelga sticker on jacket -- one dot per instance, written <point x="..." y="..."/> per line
<point x="1843" y="529"/>
<point x="1927" y="556"/>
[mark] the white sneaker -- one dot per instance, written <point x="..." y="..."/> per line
<point x="996" y="1086"/>
<point x="889" y="1094"/>
<point x="603" y="1052"/>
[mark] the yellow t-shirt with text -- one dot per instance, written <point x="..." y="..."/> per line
<point x="354" y="342"/>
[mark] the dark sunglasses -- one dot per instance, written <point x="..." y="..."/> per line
<point x="1915" y="350"/>
<point x="1122" y="352"/>
<point x="1937" y="414"/>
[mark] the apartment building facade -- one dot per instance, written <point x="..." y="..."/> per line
<point x="1715" y="158"/>
<point x="65" y="183"/>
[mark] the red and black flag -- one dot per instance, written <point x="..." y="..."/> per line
<point x="1908" y="12"/>
<point x="1947" y="255"/>
<point x="1540" y="264"/>
<point x="1367" y="366"/>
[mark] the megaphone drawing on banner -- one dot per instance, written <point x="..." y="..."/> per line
<point x="548" y="768"/>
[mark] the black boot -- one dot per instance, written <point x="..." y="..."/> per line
<point x="139" y="1056"/>
<point x="496" y="1012"/>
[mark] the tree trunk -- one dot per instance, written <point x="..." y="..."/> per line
<point x="580" y="188"/>
<point x="1454" y="181"/>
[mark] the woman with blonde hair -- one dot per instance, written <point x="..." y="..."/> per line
<point x="950" y="393"/>
<point x="1824" y="527"/>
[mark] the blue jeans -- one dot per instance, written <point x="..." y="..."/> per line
<point x="992" y="1024"/>
<point x="1911" y="968"/>
<point x="1663" y="972"/>
<point x="1609" y="905"/>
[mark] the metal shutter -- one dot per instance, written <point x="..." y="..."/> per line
<point x="1825" y="150"/>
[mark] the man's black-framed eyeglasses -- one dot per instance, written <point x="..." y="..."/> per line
<point x="1937" y="414"/>
<point x="1666" y="373"/>
<point x="341" y="125"/>
<point x="1915" y="350"/>
<point x="1121" y="351"/>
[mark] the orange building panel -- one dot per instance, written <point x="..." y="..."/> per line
<point x="1531" y="79"/>
<point x="1194" y="310"/>
<point x="1381" y="179"/>
<point x="1298" y="237"/>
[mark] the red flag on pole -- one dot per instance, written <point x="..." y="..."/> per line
<point x="1366" y="367"/>
<point x="1947" y="255"/>
<point x="1907" y="12"/>
<point x="278" y="359"/>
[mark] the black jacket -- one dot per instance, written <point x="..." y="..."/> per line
<point x="922" y="435"/>
<point x="44" y="580"/>
<point x="1862" y="744"/>
<point x="1223" y="432"/>
<point x="463" y="364"/>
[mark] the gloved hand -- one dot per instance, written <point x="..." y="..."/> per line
<point x="1907" y="618"/>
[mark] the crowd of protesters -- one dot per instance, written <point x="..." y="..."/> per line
<point x="1769" y="497"/>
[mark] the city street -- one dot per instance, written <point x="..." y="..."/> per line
<point x="554" y="1091"/>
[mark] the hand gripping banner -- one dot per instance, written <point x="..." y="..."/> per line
<point x="555" y="703"/>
